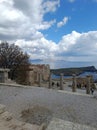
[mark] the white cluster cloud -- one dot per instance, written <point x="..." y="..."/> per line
<point x="24" y="18"/>
<point x="39" y="48"/>
<point x="63" y="22"/>
<point x="72" y="47"/>
<point x="50" y="5"/>
<point x="79" y="46"/>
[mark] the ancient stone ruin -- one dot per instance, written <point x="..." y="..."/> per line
<point x="77" y="82"/>
<point x="4" y="75"/>
<point x="37" y="73"/>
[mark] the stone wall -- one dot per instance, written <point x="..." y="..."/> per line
<point x="36" y="70"/>
<point x="4" y="75"/>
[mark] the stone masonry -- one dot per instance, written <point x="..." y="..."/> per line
<point x="4" y="75"/>
<point x="35" y="71"/>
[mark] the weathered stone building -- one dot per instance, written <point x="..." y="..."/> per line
<point x="34" y="72"/>
<point x="4" y="75"/>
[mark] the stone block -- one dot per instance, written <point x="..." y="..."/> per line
<point x="58" y="124"/>
<point x="2" y="108"/>
<point x="6" y="116"/>
<point x="15" y="124"/>
<point x="28" y="126"/>
<point x="43" y="126"/>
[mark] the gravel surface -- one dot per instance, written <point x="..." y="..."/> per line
<point x="67" y="106"/>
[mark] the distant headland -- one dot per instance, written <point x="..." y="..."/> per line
<point x="75" y="70"/>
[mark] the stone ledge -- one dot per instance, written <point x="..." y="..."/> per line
<point x="6" y="116"/>
<point x="75" y="93"/>
<point x="2" y="108"/>
<point x="58" y="124"/>
<point x="14" y="85"/>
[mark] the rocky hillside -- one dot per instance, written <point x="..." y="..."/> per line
<point x="70" y="71"/>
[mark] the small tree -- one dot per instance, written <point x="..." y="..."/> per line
<point x="12" y="57"/>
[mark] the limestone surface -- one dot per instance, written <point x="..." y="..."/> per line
<point x="58" y="124"/>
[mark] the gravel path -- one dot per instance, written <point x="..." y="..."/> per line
<point x="66" y="106"/>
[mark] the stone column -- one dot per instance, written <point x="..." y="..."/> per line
<point x="37" y="76"/>
<point x="61" y="81"/>
<point x="39" y="79"/>
<point x="88" y="85"/>
<point x="74" y="83"/>
<point x="50" y="80"/>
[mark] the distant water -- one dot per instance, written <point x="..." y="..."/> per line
<point x="94" y="74"/>
<point x="55" y="64"/>
<point x="58" y="76"/>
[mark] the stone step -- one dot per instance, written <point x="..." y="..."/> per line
<point x="2" y="108"/>
<point x="58" y="124"/>
<point x="10" y="81"/>
<point x="7" y="122"/>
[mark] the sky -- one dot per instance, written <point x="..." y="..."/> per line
<point x="62" y="33"/>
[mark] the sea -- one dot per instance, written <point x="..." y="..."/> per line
<point x="84" y="74"/>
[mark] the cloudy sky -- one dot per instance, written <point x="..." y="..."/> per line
<point x="62" y="33"/>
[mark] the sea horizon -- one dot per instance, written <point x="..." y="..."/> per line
<point x="57" y="64"/>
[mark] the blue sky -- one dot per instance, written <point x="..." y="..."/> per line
<point x="81" y="17"/>
<point x="62" y="33"/>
